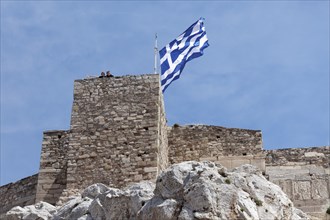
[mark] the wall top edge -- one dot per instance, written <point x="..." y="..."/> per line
<point x="298" y="148"/>
<point x="135" y="76"/>
<point x="20" y="180"/>
<point x="55" y="131"/>
<point x="201" y="126"/>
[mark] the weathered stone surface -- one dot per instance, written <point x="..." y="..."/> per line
<point x="65" y="211"/>
<point x="53" y="162"/>
<point x="319" y="156"/>
<point x="20" y="193"/>
<point x="158" y="208"/>
<point x="314" y="154"/>
<point x="186" y="191"/>
<point x="119" y="136"/>
<point x="192" y="190"/>
<point x="303" y="173"/>
<point x="121" y="204"/>
<point x="81" y="209"/>
<point x="16" y="213"/>
<point x="118" y="131"/>
<point x="94" y="190"/>
<point x="85" y="217"/>
<point x="203" y="142"/>
<point x="41" y="210"/>
<point x="96" y="209"/>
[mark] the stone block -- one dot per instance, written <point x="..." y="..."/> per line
<point x="301" y="190"/>
<point x="225" y="163"/>
<point x="150" y="169"/>
<point x="302" y="177"/>
<point x="314" y="154"/>
<point x="83" y="156"/>
<point x="311" y="209"/>
<point x="239" y="162"/>
<point x="46" y="180"/>
<point x="25" y="199"/>
<point x="55" y="192"/>
<point x="260" y="163"/>
<point x="48" y="170"/>
<point x="138" y="177"/>
<point x="317" y="170"/>
<point x="208" y="159"/>
<point x="286" y="186"/>
<point x="319" y="189"/>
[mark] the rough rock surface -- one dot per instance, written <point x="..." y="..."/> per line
<point x="189" y="190"/>
<point x="194" y="190"/>
<point x="121" y="204"/>
<point x="40" y="210"/>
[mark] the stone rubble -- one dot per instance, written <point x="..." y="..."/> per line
<point x="189" y="190"/>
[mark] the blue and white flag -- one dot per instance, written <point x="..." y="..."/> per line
<point x="173" y="57"/>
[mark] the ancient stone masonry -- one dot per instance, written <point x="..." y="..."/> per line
<point x="318" y="156"/>
<point x="304" y="175"/>
<point x="162" y="137"/>
<point x="228" y="146"/>
<point x="118" y="136"/>
<point x="53" y="166"/>
<point x="20" y="193"/>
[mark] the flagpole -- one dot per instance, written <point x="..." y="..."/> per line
<point x="156" y="53"/>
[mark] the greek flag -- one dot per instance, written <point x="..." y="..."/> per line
<point x="173" y="57"/>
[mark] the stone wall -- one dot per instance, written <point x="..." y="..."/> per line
<point x="118" y="136"/>
<point x="304" y="175"/>
<point x="20" y="193"/>
<point x="53" y="166"/>
<point x="115" y="132"/>
<point x="229" y="146"/>
<point x="319" y="156"/>
<point x="162" y="136"/>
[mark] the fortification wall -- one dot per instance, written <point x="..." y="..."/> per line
<point x="53" y="165"/>
<point x="319" y="156"/>
<point x="20" y="193"/>
<point x="304" y="175"/>
<point x="229" y="146"/>
<point x="162" y="137"/>
<point x="115" y="133"/>
<point x="119" y="135"/>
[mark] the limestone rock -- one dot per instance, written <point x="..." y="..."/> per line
<point x="65" y="211"/>
<point x="96" y="209"/>
<point x="158" y="208"/>
<point x="81" y="209"/>
<point x="41" y="210"/>
<point x="185" y="191"/>
<point x="194" y="190"/>
<point x="85" y="217"/>
<point x="16" y="213"/>
<point x="94" y="190"/>
<point x="121" y="204"/>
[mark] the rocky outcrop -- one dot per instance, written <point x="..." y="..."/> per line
<point x="189" y="190"/>
<point x="193" y="190"/>
<point x="121" y="204"/>
<point x="40" y="210"/>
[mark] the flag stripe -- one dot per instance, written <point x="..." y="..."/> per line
<point x="182" y="56"/>
<point x="173" y="57"/>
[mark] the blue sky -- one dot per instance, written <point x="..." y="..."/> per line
<point x="267" y="67"/>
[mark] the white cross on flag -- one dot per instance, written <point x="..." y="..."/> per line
<point x="173" y="57"/>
